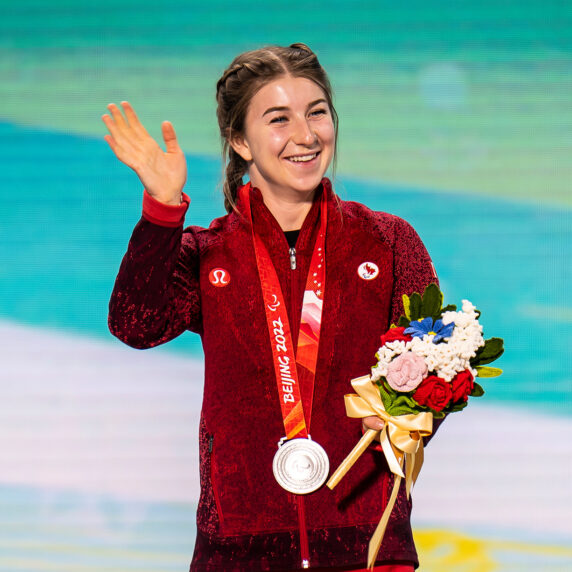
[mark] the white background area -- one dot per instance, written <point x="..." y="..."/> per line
<point x="97" y="416"/>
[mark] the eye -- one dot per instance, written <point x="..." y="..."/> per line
<point x="318" y="112"/>
<point x="279" y="119"/>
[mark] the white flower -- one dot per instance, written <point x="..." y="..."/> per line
<point x="468" y="307"/>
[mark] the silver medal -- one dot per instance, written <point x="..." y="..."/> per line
<point x="300" y="466"/>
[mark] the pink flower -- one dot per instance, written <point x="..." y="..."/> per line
<point x="406" y="372"/>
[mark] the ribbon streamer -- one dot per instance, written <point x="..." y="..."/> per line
<point x="401" y="441"/>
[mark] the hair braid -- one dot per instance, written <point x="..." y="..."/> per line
<point x="235" y="169"/>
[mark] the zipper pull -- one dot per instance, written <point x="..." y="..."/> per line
<point x="211" y="439"/>
<point x="292" y="258"/>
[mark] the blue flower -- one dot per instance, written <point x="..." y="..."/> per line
<point x="426" y="327"/>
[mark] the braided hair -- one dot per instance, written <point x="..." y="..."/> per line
<point x="237" y="86"/>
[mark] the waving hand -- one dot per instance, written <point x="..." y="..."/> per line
<point x="163" y="173"/>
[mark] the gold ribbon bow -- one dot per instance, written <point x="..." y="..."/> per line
<point x="401" y="441"/>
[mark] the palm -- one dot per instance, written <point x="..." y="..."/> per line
<point x="163" y="173"/>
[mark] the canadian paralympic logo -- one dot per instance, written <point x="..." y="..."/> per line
<point x="219" y="277"/>
<point x="368" y="270"/>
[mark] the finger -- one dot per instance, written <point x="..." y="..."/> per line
<point x="117" y="149"/>
<point x="373" y="422"/>
<point x="110" y="124"/>
<point x="111" y="127"/>
<point x="117" y="115"/>
<point x="170" y="137"/>
<point x="120" y="132"/>
<point x="132" y="118"/>
<point x="111" y="142"/>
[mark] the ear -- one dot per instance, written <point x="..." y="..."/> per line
<point x="240" y="146"/>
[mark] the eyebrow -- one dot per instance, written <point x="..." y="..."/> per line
<point x="285" y="108"/>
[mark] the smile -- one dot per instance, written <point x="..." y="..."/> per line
<point x="303" y="158"/>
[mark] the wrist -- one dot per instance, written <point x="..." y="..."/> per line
<point x="164" y="213"/>
<point x="170" y="199"/>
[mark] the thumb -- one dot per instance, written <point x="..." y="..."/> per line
<point x="169" y="137"/>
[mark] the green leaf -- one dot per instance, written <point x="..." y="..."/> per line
<point x="402" y="405"/>
<point x="492" y="350"/>
<point x="457" y="406"/>
<point x="478" y="391"/>
<point x="387" y="394"/>
<point x="395" y="402"/>
<point x="449" y="308"/>
<point x="406" y="306"/>
<point x="431" y="302"/>
<point x="415" y="302"/>
<point x="486" y="371"/>
<point x="403" y="322"/>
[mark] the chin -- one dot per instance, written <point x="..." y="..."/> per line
<point x="307" y="186"/>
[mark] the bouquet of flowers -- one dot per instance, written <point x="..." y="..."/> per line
<point x="430" y="360"/>
<point x="426" y="368"/>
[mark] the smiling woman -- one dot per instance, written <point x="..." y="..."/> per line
<point x="275" y="325"/>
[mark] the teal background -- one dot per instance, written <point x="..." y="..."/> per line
<point x="456" y="116"/>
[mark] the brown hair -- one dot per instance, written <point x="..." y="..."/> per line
<point x="247" y="73"/>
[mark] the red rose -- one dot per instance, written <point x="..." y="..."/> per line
<point x="395" y="334"/>
<point x="434" y="393"/>
<point x="462" y="385"/>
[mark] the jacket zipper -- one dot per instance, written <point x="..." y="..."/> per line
<point x="304" y="544"/>
<point x="301" y="506"/>
<point x="292" y="252"/>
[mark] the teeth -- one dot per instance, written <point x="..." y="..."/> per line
<point x="302" y="158"/>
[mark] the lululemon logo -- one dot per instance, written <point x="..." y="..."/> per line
<point x="219" y="277"/>
<point x="368" y="270"/>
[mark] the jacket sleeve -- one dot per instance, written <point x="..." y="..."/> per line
<point x="413" y="270"/>
<point x="156" y="295"/>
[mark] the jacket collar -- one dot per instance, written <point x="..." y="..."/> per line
<point x="267" y="226"/>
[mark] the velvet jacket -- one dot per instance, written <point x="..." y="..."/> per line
<point x="168" y="283"/>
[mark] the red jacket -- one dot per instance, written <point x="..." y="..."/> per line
<point x="245" y="521"/>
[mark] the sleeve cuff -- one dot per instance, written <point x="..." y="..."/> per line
<point x="164" y="215"/>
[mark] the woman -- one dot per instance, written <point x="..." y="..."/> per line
<point x="290" y="292"/>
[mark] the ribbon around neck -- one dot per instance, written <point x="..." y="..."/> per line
<point x="401" y="440"/>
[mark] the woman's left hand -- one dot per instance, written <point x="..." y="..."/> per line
<point x="373" y="422"/>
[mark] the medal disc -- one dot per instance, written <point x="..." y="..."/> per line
<point x="301" y="466"/>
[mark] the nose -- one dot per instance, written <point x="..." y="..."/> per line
<point x="303" y="133"/>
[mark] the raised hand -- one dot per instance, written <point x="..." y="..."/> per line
<point x="163" y="173"/>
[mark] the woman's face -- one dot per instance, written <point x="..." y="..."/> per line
<point x="288" y="138"/>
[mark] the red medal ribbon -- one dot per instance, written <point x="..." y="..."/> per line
<point x="289" y="367"/>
